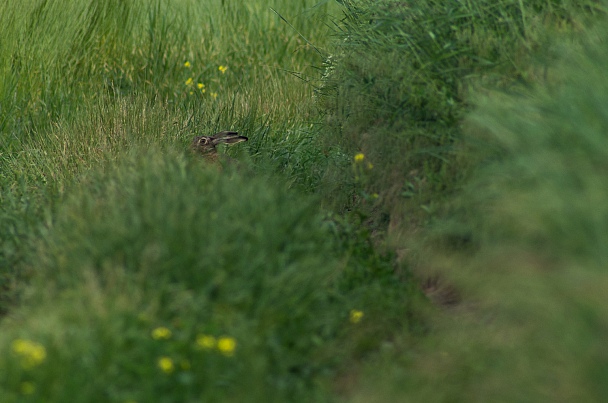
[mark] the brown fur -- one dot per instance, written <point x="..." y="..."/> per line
<point x="206" y="145"/>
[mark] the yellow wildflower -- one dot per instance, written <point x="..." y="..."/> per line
<point x="359" y="157"/>
<point x="189" y="81"/>
<point x="31" y="353"/>
<point x="222" y="69"/>
<point x="187" y="64"/>
<point x="213" y="95"/>
<point x="205" y="341"/>
<point x="200" y="86"/>
<point x="226" y="345"/>
<point x="370" y="165"/>
<point x="355" y="316"/>
<point x="166" y="365"/>
<point x="161" y="333"/>
<point x="27" y="388"/>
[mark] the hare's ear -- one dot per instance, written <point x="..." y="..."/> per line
<point x="224" y="134"/>
<point x="235" y="139"/>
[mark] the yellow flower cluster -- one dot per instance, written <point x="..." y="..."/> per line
<point x="166" y="364"/>
<point x="225" y="345"/>
<point x="30" y="352"/>
<point x="201" y="86"/>
<point x="355" y="316"/>
<point x="161" y="333"/>
<point x="359" y="157"/>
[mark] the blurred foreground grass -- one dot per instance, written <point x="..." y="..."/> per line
<point x="514" y="252"/>
<point x="159" y="244"/>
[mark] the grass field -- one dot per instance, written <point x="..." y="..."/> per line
<point x="418" y="215"/>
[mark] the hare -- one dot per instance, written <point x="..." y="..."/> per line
<point x="205" y="145"/>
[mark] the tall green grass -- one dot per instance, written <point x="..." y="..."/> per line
<point x="83" y="84"/>
<point x="523" y="248"/>
<point x="397" y="87"/>
<point x="131" y="270"/>
<point x="115" y="49"/>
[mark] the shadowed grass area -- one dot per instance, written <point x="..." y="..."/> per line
<point x="524" y="247"/>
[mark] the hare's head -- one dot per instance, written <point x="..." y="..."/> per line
<point x="206" y="144"/>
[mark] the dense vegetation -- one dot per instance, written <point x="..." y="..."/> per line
<point x="419" y="214"/>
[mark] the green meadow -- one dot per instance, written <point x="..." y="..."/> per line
<point x="420" y="213"/>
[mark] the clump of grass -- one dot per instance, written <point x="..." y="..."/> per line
<point x="159" y="267"/>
